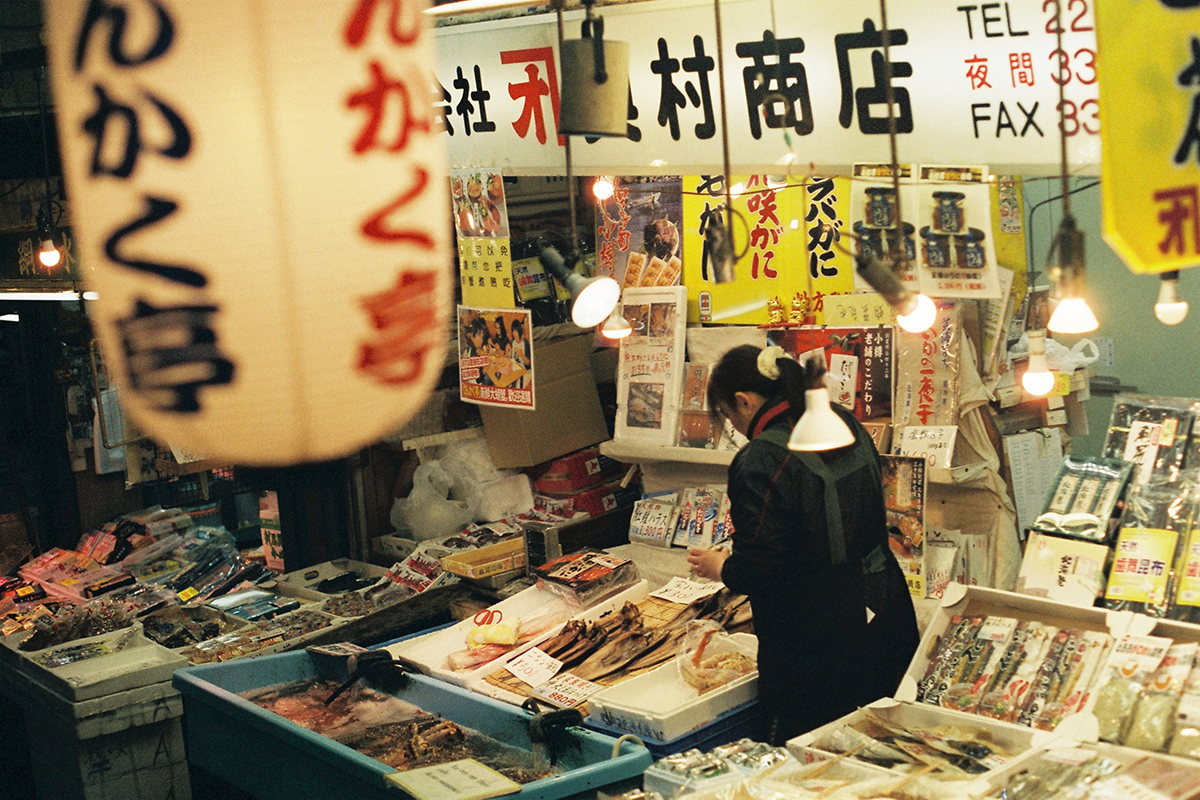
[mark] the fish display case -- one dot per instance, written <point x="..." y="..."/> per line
<point x="999" y="679"/>
<point x="270" y="756"/>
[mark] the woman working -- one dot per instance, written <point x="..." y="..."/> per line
<point x="834" y="620"/>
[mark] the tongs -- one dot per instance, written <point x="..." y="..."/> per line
<point x="378" y="665"/>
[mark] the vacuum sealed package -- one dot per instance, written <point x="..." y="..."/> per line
<point x="1084" y="498"/>
<point x="1152" y="433"/>
<point x="1153" y="531"/>
<point x="1185" y="737"/>
<point x="653" y="521"/>
<point x="1154" y="718"/>
<point x="1185" y="598"/>
<point x="1059" y="773"/>
<point x="1129" y="670"/>
<point x="587" y="576"/>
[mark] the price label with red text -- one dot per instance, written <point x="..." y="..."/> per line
<point x="534" y="667"/>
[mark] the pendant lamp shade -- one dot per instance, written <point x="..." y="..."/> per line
<point x="819" y="428"/>
<point x="616" y="326"/>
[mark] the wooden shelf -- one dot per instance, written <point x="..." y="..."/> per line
<point x="638" y="453"/>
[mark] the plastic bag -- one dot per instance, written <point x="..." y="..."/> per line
<point x="711" y="658"/>
<point x="1130" y="667"/>
<point x="1154" y="719"/>
<point x="427" y="513"/>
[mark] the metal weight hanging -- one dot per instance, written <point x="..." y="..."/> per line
<point x="595" y="82"/>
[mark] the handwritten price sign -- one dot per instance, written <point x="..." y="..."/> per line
<point x="681" y="590"/>
<point x="566" y="691"/>
<point x="534" y="667"/>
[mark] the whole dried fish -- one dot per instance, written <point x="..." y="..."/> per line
<point x="616" y="654"/>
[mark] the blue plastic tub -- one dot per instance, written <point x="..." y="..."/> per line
<point x="737" y="723"/>
<point x="270" y="756"/>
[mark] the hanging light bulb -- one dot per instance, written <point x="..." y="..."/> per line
<point x="914" y="312"/>
<point x="603" y="188"/>
<point x="49" y="254"/>
<point x="595" y="298"/>
<point x="1038" y="380"/>
<point x="616" y="326"/>
<point x="819" y="427"/>
<point x="1170" y="308"/>
<point x="921" y="317"/>
<point x="1073" y="315"/>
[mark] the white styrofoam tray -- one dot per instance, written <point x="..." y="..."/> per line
<point x="661" y="705"/>
<point x="429" y="652"/>
<point x="1023" y="743"/>
<point x="310" y="577"/>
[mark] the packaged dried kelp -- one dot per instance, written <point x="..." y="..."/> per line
<point x="1131" y="666"/>
<point x="1151" y="432"/>
<point x="1084" y="498"/>
<point x="1154" y="718"/>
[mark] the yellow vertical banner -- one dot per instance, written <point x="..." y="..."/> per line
<point x="486" y="272"/>
<point x="1008" y="229"/>
<point x="787" y="233"/>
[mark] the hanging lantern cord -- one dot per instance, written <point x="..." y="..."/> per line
<point x="567" y="146"/>
<point x="593" y="28"/>
<point x="724" y="121"/>
<point x="891" y="106"/>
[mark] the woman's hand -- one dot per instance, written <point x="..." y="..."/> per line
<point x="707" y="563"/>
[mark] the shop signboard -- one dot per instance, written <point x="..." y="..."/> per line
<point x="1150" y="98"/>
<point x="485" y="266"/>
<point x="974" y="83"/>
<point x="495" y="358"/>
<point x="259" y="194"/>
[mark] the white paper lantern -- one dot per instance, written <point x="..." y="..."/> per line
<point x="259" y="191"/>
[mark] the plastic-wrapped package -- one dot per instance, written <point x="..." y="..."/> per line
<point x="1130" y="667"/>
<point x="939" y="674"/>
<point x="1151" y="432"/>
<point x="586" y="577"/>
<point x="77" y="622"/>
<point x="1185" y="740"/>
<point x="1084" y="498"/>
<point x="1154" y="718"/>
<point x="1059" y="774"/>
<point x="709" y="658"/>
<point x="1153" y="533"/>
<point x="1149" y="777"/>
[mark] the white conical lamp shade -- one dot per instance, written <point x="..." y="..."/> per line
<point x="616" y="326"/>
<point x="819" y="428"/>
<point x="1073" y="315"/>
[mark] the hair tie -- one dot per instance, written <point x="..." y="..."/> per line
<point x="766" y="361"/>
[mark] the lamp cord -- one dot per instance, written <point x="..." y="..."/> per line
<point x="887" y="73"/>
<point x="567" y="148"/>
<point x="49" y="208"/>
<point x="1062" y="107"/>
<point x="724" y="121"/>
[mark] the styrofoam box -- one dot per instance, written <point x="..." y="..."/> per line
<point x="309" y="577"/>
<point x="140" y="663"/>
<point x="781" y="782"/>
<point x="429" y="652"/>
<point x="661" y="705"/>
<point x="1023" y="743"/>
<point x="962" y="600"/>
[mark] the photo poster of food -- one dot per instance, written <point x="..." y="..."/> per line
<point x="650" y="369"/>
<point x="495" y="357"/>
<point x="479" y="209"/>
<point x="904" y="498"/>
<point x="873" y="218"/>
<point x="638" y="234"/>
<point x="956" y="243"/>
<point x="485" y="271"/>
<point x="792" y="229"/>
<point x="858" y="360"/>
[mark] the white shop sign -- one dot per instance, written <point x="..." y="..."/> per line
<point x="981" y="90"/>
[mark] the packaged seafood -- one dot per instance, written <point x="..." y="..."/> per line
<point x="587" y="576"/>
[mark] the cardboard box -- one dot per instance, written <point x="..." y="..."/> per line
<point x="578" y="470"/>
<point x="486" y="561"/>
<point x="568" y="415"/>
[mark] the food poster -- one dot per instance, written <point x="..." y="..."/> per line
<point x="927" y="364"/>
<point x="1141" y="566"/>
<point x="495" y="357"/>
<point x="790" y="228"/>
<point x="479" y="209"/>
<point x="904" y="499"/>
<point x="639" y="233"/>
<point x="486" y="273"/>
<point x="650" y="368"/>
<point x="859" y="361"/>
<point x="873" y="218"/>
<point x="956" y="246"/>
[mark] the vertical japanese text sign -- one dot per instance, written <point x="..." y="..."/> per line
<point x="260" y="190"/>
<point x="1149" y="67"/>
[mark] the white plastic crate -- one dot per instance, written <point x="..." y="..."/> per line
<point x="661" y="705"/>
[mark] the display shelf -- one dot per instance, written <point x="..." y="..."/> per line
<point x="639" y="453"/>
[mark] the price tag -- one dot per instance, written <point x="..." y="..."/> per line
<point x="188" y="594"/>
<point x="534" y="667"/>
<point x="997" y="629"/>
<point x="681" y="590"/>
<point x="69" y="582"/>
<point x="610" y="561"/>
<point x="566" y="690"/>
<point x="337" y="649"/>
<point x="934" y="443"/>
<point x="1062" y="384"/>
<point x="1166" y="434"/>
<point x="467" y="779"/>
<point x="24" y="590"/>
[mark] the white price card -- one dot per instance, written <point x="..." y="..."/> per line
<point x="682" y="590"/>
<point x="534" y="667"/>
<point x="997" y="629"/>
<point x="457" y="780"/>
<point x="934" y="443"/>
<point x="566" y="690"/>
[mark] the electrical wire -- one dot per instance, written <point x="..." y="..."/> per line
<point x="1029" y="270"/>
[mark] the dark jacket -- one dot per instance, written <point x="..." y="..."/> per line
<point x="810" y="591"/>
